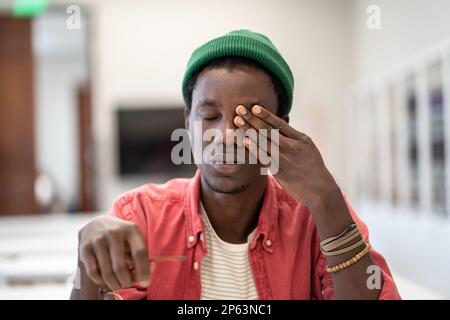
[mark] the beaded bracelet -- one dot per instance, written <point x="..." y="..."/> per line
<point x="350" y="261"/>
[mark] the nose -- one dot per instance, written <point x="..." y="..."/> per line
<point x="226" y="128"/>
<point x="228" y="131"/>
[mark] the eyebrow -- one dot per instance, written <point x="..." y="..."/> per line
<point x="208" y="103"/>
<point x="213" y="103"/>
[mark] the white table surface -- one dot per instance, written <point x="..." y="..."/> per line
<point x="40" y="252"/>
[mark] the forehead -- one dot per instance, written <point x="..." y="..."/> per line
<point x="230" y="87"/>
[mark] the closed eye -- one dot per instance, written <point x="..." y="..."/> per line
<point x="210" y="118"/>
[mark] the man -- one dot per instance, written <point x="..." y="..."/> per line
<point x="231" y="232"/>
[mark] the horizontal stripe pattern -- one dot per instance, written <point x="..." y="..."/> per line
<point x="225" y="270"/>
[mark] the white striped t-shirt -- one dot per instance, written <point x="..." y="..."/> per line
<point x="226" y="272"/>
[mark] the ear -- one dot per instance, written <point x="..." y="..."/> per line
<point x="186" y="118"/>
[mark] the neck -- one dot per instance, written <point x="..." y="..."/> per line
<point x="234" y="216"/>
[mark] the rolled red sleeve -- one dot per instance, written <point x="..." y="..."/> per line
<point x="324" y="283"/>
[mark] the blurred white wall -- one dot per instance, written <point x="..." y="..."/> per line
<point x="415" y="243"/>
<point x="408" y="27"/>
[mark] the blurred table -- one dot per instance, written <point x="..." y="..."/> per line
<point x="38" y="255"/>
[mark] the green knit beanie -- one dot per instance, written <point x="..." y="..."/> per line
<point x="248" y="44"/>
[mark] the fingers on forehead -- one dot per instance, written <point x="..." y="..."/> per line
<point x="279" y="124"/>
<point x="270" y="118"/>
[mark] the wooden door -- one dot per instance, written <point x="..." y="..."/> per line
<point x="17" y="145"/>
<point x="86" y="163"/>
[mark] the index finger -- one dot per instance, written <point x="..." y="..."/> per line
<point x="276" y="122"/>
<point x="139" y="255"/>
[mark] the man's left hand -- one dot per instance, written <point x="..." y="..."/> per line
<point x="302" y="171"/>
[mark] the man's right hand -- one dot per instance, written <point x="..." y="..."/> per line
<point x="113" y="252"/>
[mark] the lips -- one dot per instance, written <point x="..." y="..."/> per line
<point x="227" y="168"/>
<point x="225" y="158"/>
<point x="227" y="163"/>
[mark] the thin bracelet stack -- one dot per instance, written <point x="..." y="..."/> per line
<point x="339" y="244"/>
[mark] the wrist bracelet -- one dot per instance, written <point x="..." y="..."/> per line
<point x="350" y="261"/>
<point x="346" y="231"/>
<point x="341" y="241"/>
<point x="345" y="250"/>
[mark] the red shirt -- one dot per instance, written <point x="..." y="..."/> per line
<point x="284" y="254"/>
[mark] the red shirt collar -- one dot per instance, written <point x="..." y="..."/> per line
<point x="266" y="223"/>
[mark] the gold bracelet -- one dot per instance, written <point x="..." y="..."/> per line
<point x="350" y="261"/>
